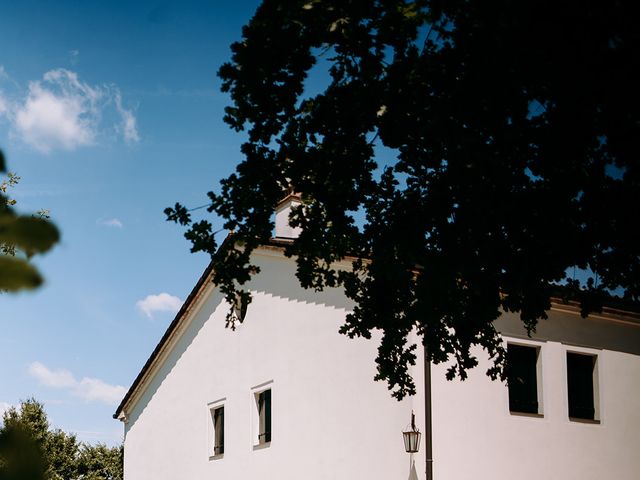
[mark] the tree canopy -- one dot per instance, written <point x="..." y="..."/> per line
<point x="30" y="450"/>
<point x="468" y="153"/>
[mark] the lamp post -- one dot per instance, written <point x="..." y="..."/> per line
<point x="412" y="437"/>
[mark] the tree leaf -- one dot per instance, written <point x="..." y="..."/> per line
<point x="18" y="274"/>
<point x="30" y="234"/>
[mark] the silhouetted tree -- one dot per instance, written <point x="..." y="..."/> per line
<point x="467" y="152"/>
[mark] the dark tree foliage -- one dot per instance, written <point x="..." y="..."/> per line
<point x="23" y="442"/>
<point x="21" y="457"/>
<point x="30" y="450"/>
<point x="21" y="237"/>
<point x="514" y="130"/>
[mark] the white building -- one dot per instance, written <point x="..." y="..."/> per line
<point x="285" y="396"/>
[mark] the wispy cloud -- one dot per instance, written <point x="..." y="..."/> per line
<point x="3" y="104"/>
<point x="74" y="56"/>
<point x="162" y="302"/>
<point x="95" y="389"/>
<point x="87" y="388"/>
<point x="61" y="112"/>
<point x="52" y="378"/>
<point x="128" y="127"/>
<point x="111" y="222"/>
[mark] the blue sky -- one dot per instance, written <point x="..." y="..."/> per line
<point x="109" y="112"/>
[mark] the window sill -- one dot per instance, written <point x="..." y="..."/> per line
<point x="262" y="446"/>
<point x="526" y="414"/>
<point x="584" y="420"/>
<point x="217" y="456"/>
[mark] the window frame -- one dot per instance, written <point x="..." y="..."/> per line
<point x="263" y="400"/>
<point x="262" y="415"/>
<point x="537" y="369"/>
<point x="215" y="409"/>
<point x="594" y="384"/>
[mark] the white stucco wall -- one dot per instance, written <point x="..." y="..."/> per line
<point x="330" y="420"/>
<point x="475" y="436"/>
<point x="283" y="229"/>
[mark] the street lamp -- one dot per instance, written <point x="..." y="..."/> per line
<point x="412" y="437"/>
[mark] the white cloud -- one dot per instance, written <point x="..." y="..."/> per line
<point x="61" y="112"/>
<point x="52" y="378"/>
<point x="90" y="389"/>
<point x="3" y="72"/>
<point x="111" y="222"/>
<point x="162" y="302"/>
<point x="95" y="389"/>
<point x="128" y="127"/>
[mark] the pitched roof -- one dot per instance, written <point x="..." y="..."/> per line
<point x="615" y="309"/>
<point x="186" y="306"/>
<point x="204" y="280"/>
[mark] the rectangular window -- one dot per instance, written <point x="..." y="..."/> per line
<point x="263" y="402"/>
<point x="581" y="373"/>
<point x="218" y="430"/>
<point x="522" y="379"/>
<point x="215" y="429"/>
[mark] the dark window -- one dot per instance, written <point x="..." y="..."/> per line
<point x="580" y="385"/>
<point x="522" y="378"/>
<point x="240" y="308"/>
<point x="218" y="431"/>
<point x="264" y="417"/>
